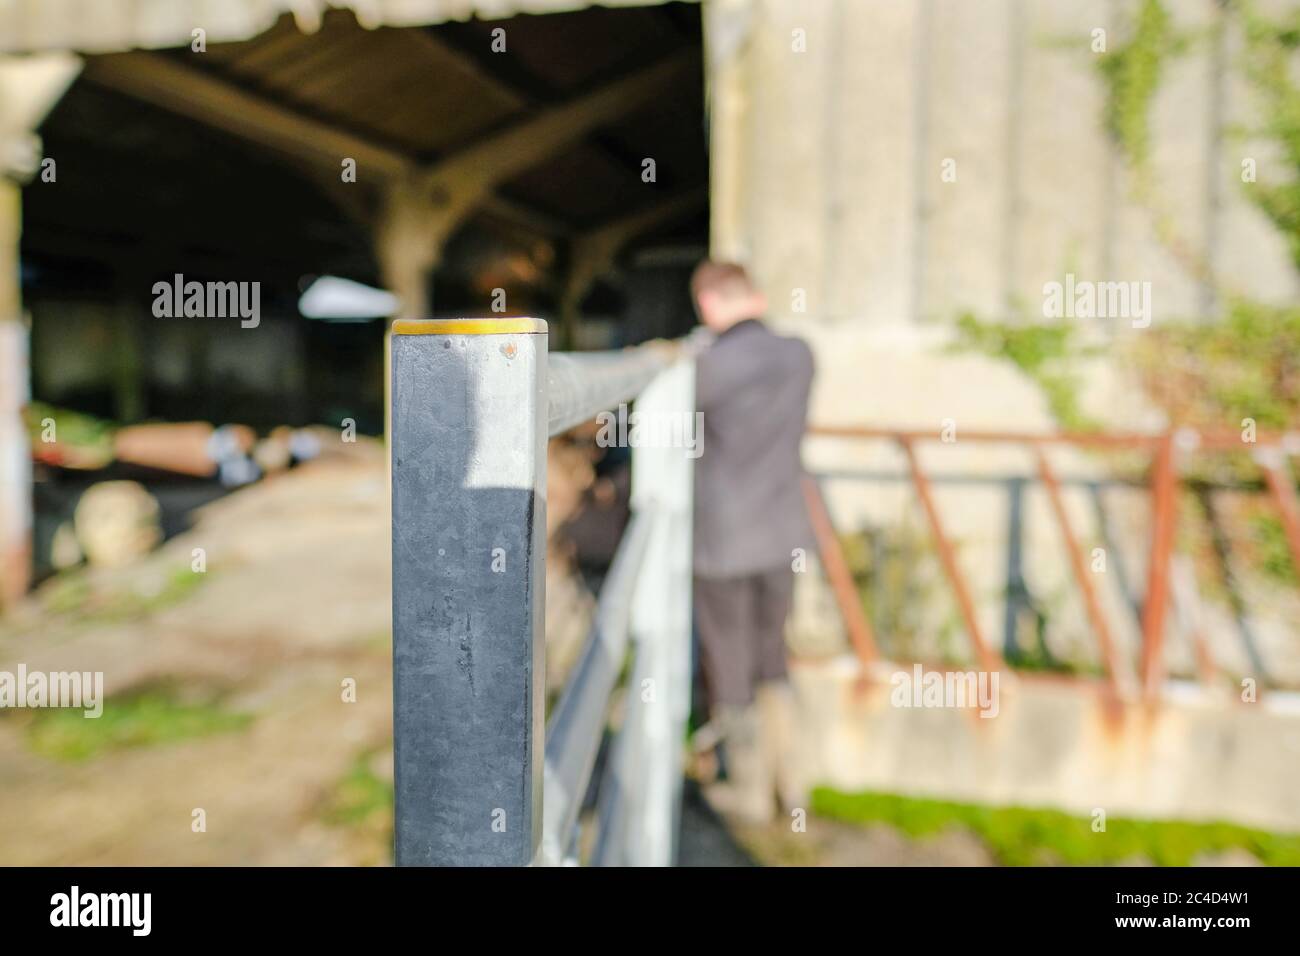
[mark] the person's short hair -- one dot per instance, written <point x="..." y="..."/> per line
<point x="724" y="278"/>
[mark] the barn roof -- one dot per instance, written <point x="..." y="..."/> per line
<point x="172" y="183"/>
<point x="103" y="26"/>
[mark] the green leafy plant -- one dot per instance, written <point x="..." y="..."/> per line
<point x="898" y="578"/>
<point x="1273" y="552"/>
<point x="1045" y="351"/>
<point x="1271" y="46"/>
<point x="1132" y="73"/>
<point x="1216" y="375"/>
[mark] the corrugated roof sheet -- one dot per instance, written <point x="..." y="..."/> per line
<point x="103" y="26"/>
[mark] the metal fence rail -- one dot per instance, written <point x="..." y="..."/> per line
<point x="581" y="384"/>
<point x="577" y="726"/>
<point x="641" y="793"/>
<point x="1169" y="453"/>
<point x="473" y="403"/>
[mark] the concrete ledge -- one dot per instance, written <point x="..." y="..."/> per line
<point x="1201" y="755"/>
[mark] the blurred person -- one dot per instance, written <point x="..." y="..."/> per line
<point x="751" y="387"/>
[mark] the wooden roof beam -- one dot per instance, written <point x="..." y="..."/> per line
<point x="158" y="80"/>
<point x="515" y="88"/>
<point x="162" y="82"/>
<point x="593" y="253"/>
<point x="421" y="205"/>
<point x="502" y="155"/>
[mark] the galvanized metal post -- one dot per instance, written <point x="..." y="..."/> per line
<point x="469" y="431"/>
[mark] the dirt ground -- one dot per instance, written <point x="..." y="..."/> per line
<point x="292" y="610"/>
<point x="293" y="602"/>
<point x="290" y="613"/>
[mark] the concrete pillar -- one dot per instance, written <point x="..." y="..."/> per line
<point x="408" y="244"/>
<point x="727" y="28"/>
<point x="29" y="87"/>
<point x="15" y="451"/>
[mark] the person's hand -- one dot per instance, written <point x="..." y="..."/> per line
<point x="667" y="351"/>
<point x="697" y="340"/>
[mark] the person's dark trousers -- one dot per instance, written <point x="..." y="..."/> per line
<point x="741" y="626"/>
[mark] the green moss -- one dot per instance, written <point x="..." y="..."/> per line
<point x="1019" y="836"/>
<point x="149" y="717"/>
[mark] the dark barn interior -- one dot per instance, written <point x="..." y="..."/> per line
<point x="564" y="177"/>
<point x="475" y="171"/>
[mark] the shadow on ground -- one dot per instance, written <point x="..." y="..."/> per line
<point x="705" y="839"/>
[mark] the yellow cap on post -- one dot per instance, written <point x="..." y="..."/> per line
<point x="501" y="326"/>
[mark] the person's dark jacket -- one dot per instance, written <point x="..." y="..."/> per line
<point x="752" y="387"/>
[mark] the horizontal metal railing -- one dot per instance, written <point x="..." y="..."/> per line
<point x="583" y="384"/>
<point x="473" y="404"/>
<point x="577" y="726"/>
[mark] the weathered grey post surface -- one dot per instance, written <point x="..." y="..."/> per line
<point x="469" y="431"/>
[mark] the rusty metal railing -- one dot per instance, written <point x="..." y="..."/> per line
<point x="1169" y="452"/>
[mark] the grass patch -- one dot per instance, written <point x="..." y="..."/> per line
<point x="361" y="797"/>
<point x="1019" y="836"/>
<point x="72" y="595"/>
<point x="362" y="803"/>
<point x="68" y="593"/>
<point x="148" y="717"/>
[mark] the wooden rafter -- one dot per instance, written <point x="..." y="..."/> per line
<point x="421" y="203"/>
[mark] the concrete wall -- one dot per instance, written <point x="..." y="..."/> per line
<point x="827" y="180"/>
<point x="828" y="162"/>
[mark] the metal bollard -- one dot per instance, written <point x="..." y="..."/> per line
<point x="469" y="432"/>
